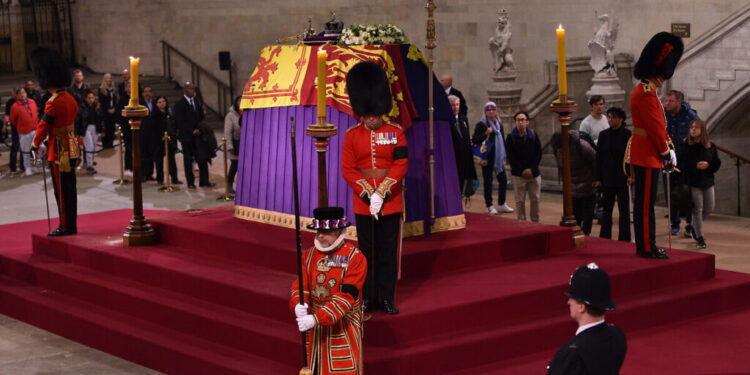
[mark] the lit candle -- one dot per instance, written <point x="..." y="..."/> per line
<point x="562" y="79"/>
<point x="322" y="57"/>
<point x="134" y="78"/>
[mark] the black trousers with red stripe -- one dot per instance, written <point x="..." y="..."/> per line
<point x="646" y="181"/>
<point x="384" y="259"/>
<point x="64" y="184"/>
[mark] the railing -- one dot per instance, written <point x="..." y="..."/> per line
<point x="738" y="160"/>
<point x="216" y="94"/>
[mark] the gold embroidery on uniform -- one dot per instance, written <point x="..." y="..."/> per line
<point x="384" y="189"/>
<point x="323" y="264"/>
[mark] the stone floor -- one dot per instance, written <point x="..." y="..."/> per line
<point x="25" y="349"/>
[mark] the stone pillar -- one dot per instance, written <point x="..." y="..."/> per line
<point x="608" y="87"/>
<point x="18" y="44"/>
<point x="506" y="93"/>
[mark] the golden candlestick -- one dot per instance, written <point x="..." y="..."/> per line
<point x="139" y="232"/>
<point x="122" y="180"/>
<point x="168" y="188"/>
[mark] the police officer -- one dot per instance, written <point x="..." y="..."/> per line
<point x="373" y="162"/>
<point x="57" y="124"/>
<point x="598" y="347"/>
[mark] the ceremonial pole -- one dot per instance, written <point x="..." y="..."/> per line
<point x="305" y="370"/>
<point x="321" y="130"/>
<point x="564" y="107"/>
<point x="430" y="44"/>
<point x="139" y="232"/>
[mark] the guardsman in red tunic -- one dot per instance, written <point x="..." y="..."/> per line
<point x="374" y="160"/>
<point x="57" y="125"/>
<point x="333" y="274"/>
<point x="650" y="148"/>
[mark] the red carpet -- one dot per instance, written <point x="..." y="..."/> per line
<point x="212" y="298"/>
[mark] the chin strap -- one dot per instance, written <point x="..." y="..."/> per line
<point x="333" y="246"/>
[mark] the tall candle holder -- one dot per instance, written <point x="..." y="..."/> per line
<point x="139" y="232"/>
<point x="321" y="131"/>
<point x="564" y="107"/>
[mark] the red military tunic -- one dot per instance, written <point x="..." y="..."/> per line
<point x="375" y="161"/>
<point x="58" y="122"/>
<point x="334" y="345"/>
<point x="650" y="139"/>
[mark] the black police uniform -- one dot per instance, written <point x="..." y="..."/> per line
<point x="597" y="350"/>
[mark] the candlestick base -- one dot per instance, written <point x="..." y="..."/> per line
<point x="139" y="232"/>
<point x="225" y="197"/>
<point x="121" y="181"/>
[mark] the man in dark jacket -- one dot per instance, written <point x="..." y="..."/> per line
<point x="582" y="161"/>
<point x="150" y="139"/>
<point x="524" y="152"/>
<point x="679" y="115"/>
<point x="610" y="177"/>
<point x="462" y="147"/>
<point x="598" y="347"/>
<point x="188" y="114"/>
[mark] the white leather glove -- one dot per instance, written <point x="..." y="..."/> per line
<point x="300" y="310"/>
<point x="672" y="158"/>
<point x="376" y="204"/>
<point x="305" y="323"/>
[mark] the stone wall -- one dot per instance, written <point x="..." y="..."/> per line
<point x="107" y="32"/>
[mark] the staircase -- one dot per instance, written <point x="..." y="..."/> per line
<point x="714" y="67"/>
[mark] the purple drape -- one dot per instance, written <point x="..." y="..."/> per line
<point x="264" y="176"/>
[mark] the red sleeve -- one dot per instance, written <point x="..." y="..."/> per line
<point x="349" y="169"/>
<point x="655" y="123"/>
<point x="342" y="302"/>
<point x="398" y="169"/>
<point x="42" y="129"/>
<point x="295" y="285"/>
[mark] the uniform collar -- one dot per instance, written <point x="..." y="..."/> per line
<point x="587" y="326"/>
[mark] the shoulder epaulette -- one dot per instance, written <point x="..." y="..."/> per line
<point x="394" y="125"/>
<point x="353" y="127"/>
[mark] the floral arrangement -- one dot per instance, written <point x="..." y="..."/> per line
<point x="372" y="34"/>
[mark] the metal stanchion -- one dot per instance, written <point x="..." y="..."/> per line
<point x="168" y="188"/>
<point x="226" y="197"/>
<point x="122" y="180"/>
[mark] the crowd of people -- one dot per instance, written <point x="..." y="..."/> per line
<point x="100" y="115"/>
<point x="600" y="175"/>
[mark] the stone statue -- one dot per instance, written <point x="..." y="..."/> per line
<point x="502" y="54"/>
<point x="602" y="47"/>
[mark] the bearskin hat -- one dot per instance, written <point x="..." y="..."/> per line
<point x="50" y="68"/>
<point x="659" y="57"/>
<point x="369" y="89"/>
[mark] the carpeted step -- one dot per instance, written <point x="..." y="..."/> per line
<point x="455" y="350"/>
<point x="481" y="244"/>
<point x="241" y="286"/>
<point x="142" y="342"/>
<point x="181" y="312"/>
<point x="516" y="292"/>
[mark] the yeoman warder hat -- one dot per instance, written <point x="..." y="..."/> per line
<point x="327" y="218"/>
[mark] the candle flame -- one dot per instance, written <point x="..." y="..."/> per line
<point x="132" y="58"/>
<point x="560" y="27"/>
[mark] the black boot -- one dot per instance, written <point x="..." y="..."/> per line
<point x="389" y="307"/>
<point x="58" y="232"/>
